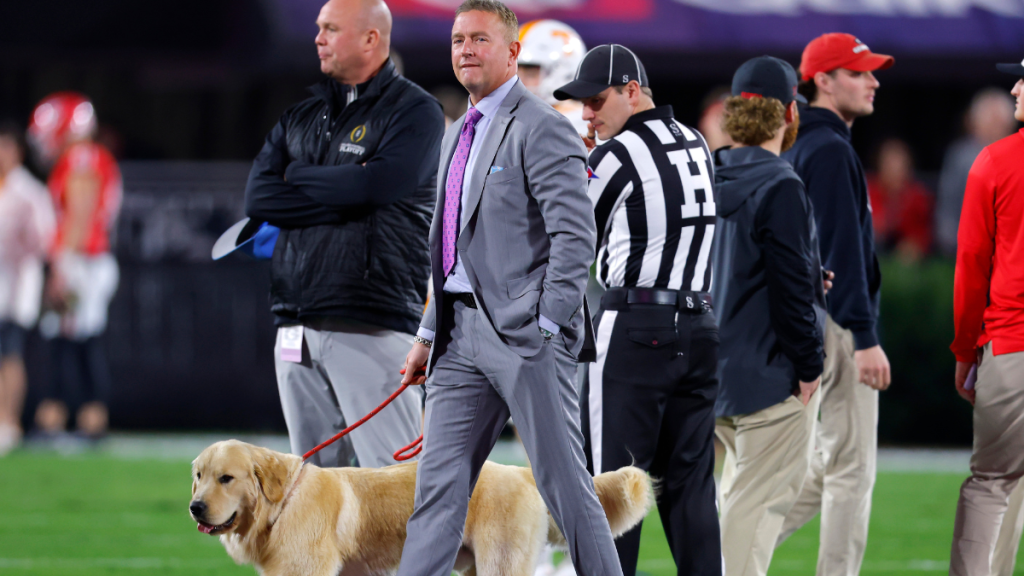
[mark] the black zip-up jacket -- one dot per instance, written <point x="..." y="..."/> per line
<point x="834" y="178"/>
<point x="350" y="180"/>
<point x="767" y="284"/>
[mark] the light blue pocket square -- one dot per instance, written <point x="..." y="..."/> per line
<point x="496" y="169"/>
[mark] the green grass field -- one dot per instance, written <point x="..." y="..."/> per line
<point x="97" y="515"/>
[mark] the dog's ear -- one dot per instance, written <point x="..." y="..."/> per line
<point x="271" y="471"/>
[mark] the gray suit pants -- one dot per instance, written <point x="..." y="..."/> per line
<point x="348" y="368"/>
<point x="476" y="383"/>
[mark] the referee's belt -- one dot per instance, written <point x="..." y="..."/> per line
<point x="683" y="300"/>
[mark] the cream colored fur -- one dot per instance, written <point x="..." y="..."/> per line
<point x="292" y="519"/>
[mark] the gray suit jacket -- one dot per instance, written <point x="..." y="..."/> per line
<point x="528" y="236"/>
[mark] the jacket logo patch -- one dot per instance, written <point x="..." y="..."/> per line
<point x="350" y="148"/>
<point x="358" y="133"/>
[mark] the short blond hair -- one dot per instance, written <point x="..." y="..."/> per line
<point x="753" y="121"/>
<point x="505" y="14"/>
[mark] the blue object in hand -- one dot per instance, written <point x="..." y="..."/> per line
<point x="257" y="239"/>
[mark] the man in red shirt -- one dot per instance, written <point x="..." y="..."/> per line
<point x="901" y="206"/>
<point x="988" y="310"/>
<point x="85" y="184"/>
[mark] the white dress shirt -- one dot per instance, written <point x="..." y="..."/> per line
<point x="458" y="281"/>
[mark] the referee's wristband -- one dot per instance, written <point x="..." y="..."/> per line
<point x="422" y="340"/>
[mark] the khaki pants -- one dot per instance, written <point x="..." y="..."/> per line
<point x="842" y="474"/>
<point x="1005" y="555"/>
<point x="997" y="463"/>
<point x="767" y="457"/>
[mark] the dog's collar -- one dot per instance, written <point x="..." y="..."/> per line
<point x="298" y="478"/>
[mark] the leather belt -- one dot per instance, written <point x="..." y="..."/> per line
<point x="464" y="297"/>
<point x="682" y="300"/>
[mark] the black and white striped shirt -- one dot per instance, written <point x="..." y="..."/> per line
<point x="654" y="205"/>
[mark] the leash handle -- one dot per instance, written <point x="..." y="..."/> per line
<point x="398" y="455"/>
<point x="364" y="419"/>
<point x="416" y="446"/>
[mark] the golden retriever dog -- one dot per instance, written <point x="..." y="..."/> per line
<point x="288" y="519"/>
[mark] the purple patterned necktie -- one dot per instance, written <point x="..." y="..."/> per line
<point x="453" y="189"/>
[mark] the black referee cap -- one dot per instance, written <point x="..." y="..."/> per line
<point x="605" y="66"/>
<point x="1015" y="69"/>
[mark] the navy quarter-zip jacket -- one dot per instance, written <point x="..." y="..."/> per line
<point x="834" y="179"/>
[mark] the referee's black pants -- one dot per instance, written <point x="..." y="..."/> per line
<point x="649" y="401"/>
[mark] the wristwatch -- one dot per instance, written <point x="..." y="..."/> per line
<point x="547" y="334"/>
<point x="422" y="340"/>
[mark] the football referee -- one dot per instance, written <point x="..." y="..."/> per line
<point x="650" y="396"/>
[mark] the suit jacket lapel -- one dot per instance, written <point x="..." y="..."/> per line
<point x="488" y="149"/>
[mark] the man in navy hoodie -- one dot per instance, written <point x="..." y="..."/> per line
<point x="770" y="299"/>
<point x="837" y="80"/>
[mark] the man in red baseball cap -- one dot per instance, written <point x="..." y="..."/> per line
<point x="839" y="85"/>
<point x="830" y="52"/>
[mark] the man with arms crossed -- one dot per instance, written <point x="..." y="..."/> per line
<point x="348" y="175"/>
<point x="651" y="393"/>
<point x="988" y="314"/>
<point x="511" y="243"/>
<point x="838" y="83"/>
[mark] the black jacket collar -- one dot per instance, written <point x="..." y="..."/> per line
<point x="335" y="93"/>
<point x="658" y="112"/>
<point x="813" y="117"/>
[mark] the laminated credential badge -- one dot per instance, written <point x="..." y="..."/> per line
<point x="291" y="343"/>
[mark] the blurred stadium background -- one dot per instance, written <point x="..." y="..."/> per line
<point x="185" y="93"/>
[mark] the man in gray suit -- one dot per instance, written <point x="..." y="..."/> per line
<point x="511" y="243"/>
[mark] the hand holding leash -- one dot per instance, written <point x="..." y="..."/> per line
<point x="417" y="357"/>
<point x="416" y="446"/>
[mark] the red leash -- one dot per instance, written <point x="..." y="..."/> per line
<point x="416" y="445"/>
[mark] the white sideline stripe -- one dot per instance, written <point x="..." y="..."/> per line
<point x="165" y="446"/>
<point x="186" y="446"/>
<point x="596" y="395"/>
<point x="915" y="565"/>
<point x="129" y="563"/>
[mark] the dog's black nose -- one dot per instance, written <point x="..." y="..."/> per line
<point x="197" y="508"/>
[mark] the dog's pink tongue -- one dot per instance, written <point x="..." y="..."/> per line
<point x="205" y="529"/>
